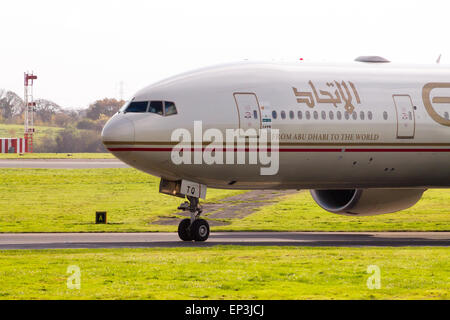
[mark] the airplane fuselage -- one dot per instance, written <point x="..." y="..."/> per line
<point x="359" y="125"/>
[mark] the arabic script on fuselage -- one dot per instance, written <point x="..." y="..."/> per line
<point x="343" y="94"/>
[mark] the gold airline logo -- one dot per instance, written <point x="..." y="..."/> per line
<point x="429" y="102"/>
<point x="343" y="94"/>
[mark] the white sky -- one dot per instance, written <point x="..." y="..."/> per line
<point x="81" y="50"/>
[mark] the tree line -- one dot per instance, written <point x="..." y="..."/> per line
<point x="80" y="129"/>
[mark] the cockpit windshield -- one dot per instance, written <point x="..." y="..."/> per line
<point x="163" y="108"/>
<point x="137" y="106"/>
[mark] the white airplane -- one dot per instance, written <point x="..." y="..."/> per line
<point x="368" y="137"/>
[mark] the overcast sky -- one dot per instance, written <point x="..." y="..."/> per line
<point x="81" y="50"/>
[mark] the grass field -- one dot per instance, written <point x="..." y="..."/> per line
<point x="57" y="156"/>
<point x="50" y="200"/>
<point x="300" y="213"/>
<point x="230" y="272"/>
<point x="16" y="131"/>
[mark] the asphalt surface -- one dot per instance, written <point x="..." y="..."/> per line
<point x="151" y="240"/>
<point x="62" y="163"/>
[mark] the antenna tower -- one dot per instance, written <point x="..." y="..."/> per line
<point x="30" y="105"/>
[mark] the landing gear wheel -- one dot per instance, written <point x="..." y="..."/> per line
<point x="184" y="230"/>
<point x="200" y="230"/>
<point x="195" y="228"/>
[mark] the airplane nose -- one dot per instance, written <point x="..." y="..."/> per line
<point x="118" y="128"/>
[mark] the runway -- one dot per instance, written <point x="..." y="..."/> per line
<point x="62" y="163"/>
<point x="153" y="240"/>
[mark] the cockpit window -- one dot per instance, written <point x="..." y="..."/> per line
<point x="156" y="107"/>
<point x="137" y="106"/>
<point x="163" y="108"/>
<point x="170" y="108"/>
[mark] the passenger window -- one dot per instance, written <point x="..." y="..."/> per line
<point x="274" y="114"/>
<point x="283" y="115"/>
<point x="308" y="115"/>
<point x="339" y="115"/>
<point x="156" y="107"/>
<point x="347" y="115"/>
<point x="137" y="106"/>
<point x="369" y="115"/>
<point x="316" y="115"/>
<point x="255" y="114"/>
<point x="331" y="115"/>
<point x="361" y="115"/>
<point x="291" y="114"/>
<point x="385" y="115"/>
<point x="299" y="115"/>
<point x="354" y="115"/>
<point x="324" y="115"/>
<point x="169" y="108"/>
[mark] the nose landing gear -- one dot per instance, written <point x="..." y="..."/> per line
<point x="194" y="228"/>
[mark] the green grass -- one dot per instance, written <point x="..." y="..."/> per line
<point x="229" y="272"/>
<point x="17" y="130"/>
<point x="61" y="200"/>
<point x="50" y="200"/>
<point x="57" y="156"/>
<point x="299" y="212"/>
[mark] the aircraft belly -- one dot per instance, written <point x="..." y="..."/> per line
<point x="310" y="170"/>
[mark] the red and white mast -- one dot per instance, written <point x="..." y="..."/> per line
<point x="29" y="110"/>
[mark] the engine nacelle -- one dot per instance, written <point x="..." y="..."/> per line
<point x="366" y="202"/>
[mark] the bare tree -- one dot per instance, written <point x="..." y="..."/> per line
<point x="11" y="105"/>
<point x="46" y="109"/>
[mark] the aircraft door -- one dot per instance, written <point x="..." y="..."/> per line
<point x="405" y="116"/>
<point x="249" y="110"/>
